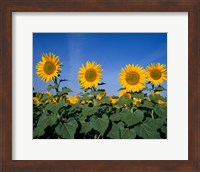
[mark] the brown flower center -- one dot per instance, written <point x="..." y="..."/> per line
<point x="49" y="68"/>
<point x="155" y="74"/>
<point x="132" y="78"/>
<point x="90" y="75"/>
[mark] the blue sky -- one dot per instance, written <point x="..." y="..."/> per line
<point x="112" y="50"/>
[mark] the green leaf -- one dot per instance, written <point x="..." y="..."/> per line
<point x="94" y="93"/>
<point x="74" y="107"/>
<point x="127" y="133"/>
<point x="122" y="101"/>
<point x="54" y="107"/>
<point x="121" y="89"/>
<point x="160" y="88"/>
<point x="46" y="97"/>
<point x="102" y="83"/>
<point x="161" y="111"/>
<point x="85" y="127"/>
<point x="148" y="129"/>
<point x="67" y="130"/>
<point x="114" y="132"/>
<point x="105" y="100"/>
<point x="60" y="104"/>
<point x="65" y="90"/>
<point x="44" y="121"/>
<point x="121" y="125"/>
<point x="116" y="117"/>
<point x="147" y="104"/>
<point x="138" y="95"/>
<point x="164" y="129"/>
<point x="50" y="87"/>
<point x="100" y="124"/>
<point x="132" y="119"/>
<point x="88" y="111"/>
<point x="86" y="97"/>
<point x="155" y="98"/>
<point x="63" y="80"/>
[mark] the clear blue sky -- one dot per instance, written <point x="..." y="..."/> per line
<point x="112" y="50"/>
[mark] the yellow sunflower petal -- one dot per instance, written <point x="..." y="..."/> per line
<point x="89" y="75"/>
<point x="156" y="73"/>
<point x="49" y="67"/>
<point x="73" y="99"/>
<point x="132" y="78"/>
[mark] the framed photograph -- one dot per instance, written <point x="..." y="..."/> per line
<point x="99" y="86"/>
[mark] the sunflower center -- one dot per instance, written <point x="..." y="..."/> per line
<point x="155" y="74"/>
<point x="90" y="75"/>
<point x="132" y="78"/>
<point x="49" y="68"/>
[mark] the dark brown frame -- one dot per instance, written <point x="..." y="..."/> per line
<point x="9" y="6"/>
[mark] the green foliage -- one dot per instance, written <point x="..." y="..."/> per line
<point x="54" y="107"/>
<point x="65" y="90"/>
<point x="54" y="117"/>
<point x="160" y="88"/>
<point x="133" y="118"/>
<point x="114" y="133"/>
<point x="148" y="129"/>
<point x="123" y="101"/>
<point x="67" y="129"/>
<point x="127" y="133"/>
<point x="50" y="87"/>
<point x="100" y="124"/>
<point x="44" y="121"/>
<point x="88" y="111"/>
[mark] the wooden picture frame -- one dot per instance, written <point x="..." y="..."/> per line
<point x="9" y="6"/>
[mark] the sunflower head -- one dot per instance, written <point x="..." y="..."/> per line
<point x="136" y="100"/>
<point x="157" y="93"/>
<point x="37" y="98"/>
<point x="125" y="94"/>
<point x="83" y="102"/>
<point x="48" y="67"/>
<point x="113" y="100"/>
<point x="101" y="95"/>
<point x="156" y="73"/>
<point x="89" y="101"/>
<point x="132" y="78"/>
<point x="89" y="75"/>
<point x="161" y="102"/>
<point x="73" y="99"/>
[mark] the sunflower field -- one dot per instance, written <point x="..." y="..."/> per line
<point x="138" y="112"/>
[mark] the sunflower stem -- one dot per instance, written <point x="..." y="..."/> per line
<point x="95" y="136"/>
<point x="153" y="87"/>
<point x="99" y="136"/>
<point x="94" y="90"/>
<point x="152" y="114"/>
<point x="56" y="83"/>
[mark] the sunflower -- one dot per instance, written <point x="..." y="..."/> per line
<point x="132" y="78"/>
<point x="113" y="100"/>
<point x="89" y="101"/>
<point x="125" y="94"/>
<point x="37" y="99"/>
<point x="162" y="102"/>
<point x="48" y="67"/>
<point x="73" y="99"/>
<point x="48" y="93"/>
<point x="82" y="102"/>
<point x="101" y="95"/>
<point x="136" y="100"/>
<point x="157" y="93"/>
<point x="156" y="73"/>
<point x="90" y="75"/>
